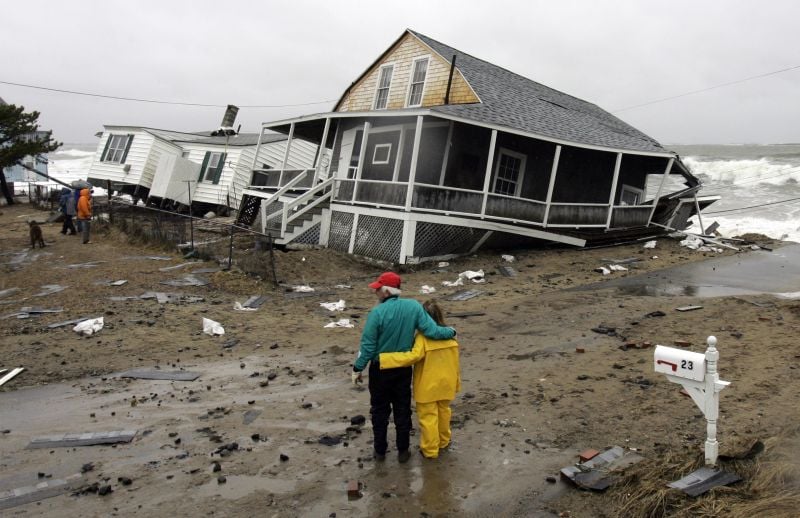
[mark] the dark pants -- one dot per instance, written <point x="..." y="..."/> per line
<point x="68" y="225"/>
<point x="390" y="391"/>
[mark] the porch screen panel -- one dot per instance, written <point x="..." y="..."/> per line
<point x="539" y="157"/>
<point x="466" y="162"/>
<point x="634" y="171"/>
<point x="584" y="176"/>
<point x="379" y="163"/>
<point x="431" y="154"/>
<point x="516" y="209"/>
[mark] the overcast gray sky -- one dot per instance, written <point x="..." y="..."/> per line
<point x="615" y="54"/>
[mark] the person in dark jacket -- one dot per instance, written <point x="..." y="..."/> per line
<point x="67" y="205"/>
<point x="390" y="327"/>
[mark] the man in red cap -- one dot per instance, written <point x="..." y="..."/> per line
<point x="390" y="327"/>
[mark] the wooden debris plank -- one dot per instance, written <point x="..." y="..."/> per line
<point x="29" y="494"/>
<point x="255" y="301"/>
<point x="11" y="375"/>
<point x="464" y="295"/>
<point x="68" y="440"/>
<point x="466" y="314"/>
<point x="156" y="374"/>
<point x="507" y="271"/>
<point x="688" y="308"/>
<point x="68" y="322"/>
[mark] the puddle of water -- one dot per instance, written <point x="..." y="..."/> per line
<point x="238" y="486"/>
<point x="746" y="274"/>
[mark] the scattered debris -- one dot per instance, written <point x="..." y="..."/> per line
<point x="333" y="306"/>
<point x="603" y="270"/>
<point x="657" y="313"/>
<point x="187" y="280"/>
<point x="175" y="298"/>
<point x="688" y="308"/>
<point x="177" y="266"/>
<point x="250" y="416"/>
<point x="239" y="307"/>
<point x="111" y="283"/>
<point x="344" y="322"/>
<point x="255" y="302"/>
<point x="354" y="490"/>
<point x="11" y="375"/>
<point x="81" y="439"/>
<point x="507" y="271"/>
<point x="427" y="290"/>
<point x="704" y="479"/>
<point x="157" y="374"/>
<point x="91" y="264"/>
<point x="443" y="264"/>
<point x="476" y="277"/>
<point x="151" y="257"/>
<point x="302" y="289"/>
<point x="466" y="314"/>
<point x="211" y="327"/>
<point x="507" y="258"/>
<point x="89" y="326"/>
<point x="650" y="244"/>
<point x="49" y="289"/>
<point x="464" y="295"/>
<point x="597" y="473"/>
<point x="8" y="291"/>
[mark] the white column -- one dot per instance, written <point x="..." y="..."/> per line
<point x="325" y="227"/>
<point x="412" y="173"/>
<point x="660" y="188"/>
<point x="699" y="218"/>
<point x="407" y="242"/>
<point x="712" y="401"/>
<point x="613" y="190"/>
<point x="258" y="148"/>
<point x="551" y="185"/>
<point x="353" y="230"/>
<point x="286" y="155"/>
<point x="487" y="179"/>
<point x="361" y="155"/>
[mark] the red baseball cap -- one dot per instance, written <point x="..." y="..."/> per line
<point x="390" y="279"/>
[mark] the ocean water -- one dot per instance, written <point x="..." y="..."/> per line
<point x="759" y="184"/>
<point x="759" y="187"/>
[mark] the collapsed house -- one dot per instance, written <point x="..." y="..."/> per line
<point x="432" y="152"/>
<point x="208" y="170"/>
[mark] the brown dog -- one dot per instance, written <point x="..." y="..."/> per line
<point x="36" y="234"/>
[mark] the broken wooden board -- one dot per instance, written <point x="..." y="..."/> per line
<point x="597" y="473"/>
<point x="703" y="480"/>
<point x="157" y="374"/>
<point x="8" y="291"/>
<point x="188" y="280"/>
<point x="688" y="308"/>
<point x="507" y="271"/>
<point x="49" y="289"/>
<point x="466" y="314"/>
<point x="68" y="440"/>
<point x="206" y="270"/>
<point x="91" y="264"/>
<point x="151" y="257"/>
<point x="255" y="301"/>
<point x="464" y="295"/>
<point x="111" y="283"/>
<point x="32" y="310"/>
<point x="29" y="494"/>
<point x="11" y="375"/>
<point x="169" y="268"/>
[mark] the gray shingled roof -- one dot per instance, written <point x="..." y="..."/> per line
<point x="513" y="101"/>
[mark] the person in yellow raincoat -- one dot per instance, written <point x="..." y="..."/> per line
<point x="436" y="381"/>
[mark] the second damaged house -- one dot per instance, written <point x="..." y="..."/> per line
<point x="434" y="152"/>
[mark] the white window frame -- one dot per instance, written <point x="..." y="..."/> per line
<point x="211" y="166"/>
<point x="116" y="148"/>
<point x="387" y="88"/>
<point x="639" y="193"/>
<point x="388" y="154"/>
<point x="411" y="80"/>
<point x="520" y="177"/>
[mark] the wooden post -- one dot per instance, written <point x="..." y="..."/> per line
<point x="446" y="152"/>
<point x="613" y="190"/>
<point x="108" y="194"/>
<point x="660" y="188"/>
<point x="361" y="155"/>
<point x="321" y="151"/>
<point x="551" y="185"/>
<point x="412" y="173"/>
<point x="487" y="179"/>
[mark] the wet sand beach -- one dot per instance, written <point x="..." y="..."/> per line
<point x="274" y="410"/>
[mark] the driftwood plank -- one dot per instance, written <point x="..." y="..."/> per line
<point x="81" y="439"/>
<point x="42" y="490"/>
<point x="156" y="374"/>
<point x="11" y="375"/>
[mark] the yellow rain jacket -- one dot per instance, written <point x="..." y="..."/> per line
<point x="436" y="368"/>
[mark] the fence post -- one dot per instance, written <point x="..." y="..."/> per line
<point x="108" y="194"/>
<point x="272" y="261"/>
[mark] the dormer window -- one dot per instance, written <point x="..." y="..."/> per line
<point x="384" y="81"/>
<point x="419" y="69"/>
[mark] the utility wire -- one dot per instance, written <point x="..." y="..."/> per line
<point x="154" y="101"/>
<point x="753" y="206"/>
<point x="774" y="72"/>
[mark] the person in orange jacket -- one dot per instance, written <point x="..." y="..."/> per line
<point x="84" y="215"/>
<point x="436" y="381"/>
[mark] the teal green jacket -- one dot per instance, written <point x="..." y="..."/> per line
<point x="391" y="326"/>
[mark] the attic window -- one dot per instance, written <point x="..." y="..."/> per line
<point x="382" y="94"/>
<point x="418" y="72"/>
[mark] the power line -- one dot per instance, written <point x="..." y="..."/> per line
<point x="155" y="101"/>
<point x="707" y="89"/>
<point x="753" y="206"/>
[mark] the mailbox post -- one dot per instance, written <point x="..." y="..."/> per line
<point x="698" y="375"/>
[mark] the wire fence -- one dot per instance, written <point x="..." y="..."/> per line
<point x="220" y="240"/>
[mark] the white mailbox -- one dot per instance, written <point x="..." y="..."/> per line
<point x="679" y="362"/>
<point x="698" y="375"/>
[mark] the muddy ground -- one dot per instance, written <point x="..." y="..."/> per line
<point x="277" y="382"/>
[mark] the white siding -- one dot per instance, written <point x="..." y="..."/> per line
<point x="225" y="190"/>
<point x="136" y="159"/>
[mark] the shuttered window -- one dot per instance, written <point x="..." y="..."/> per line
<point x="418" y="73"/>
<point x="116" y="149"/>
<point x="211" y="170"/>
<point x="385" y="80"/>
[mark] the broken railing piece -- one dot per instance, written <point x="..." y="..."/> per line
<point x="69" y="440"/>
<point x="29" y="494"/>
<point x="11" y="375"/>
<point x="157" y="374"/>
